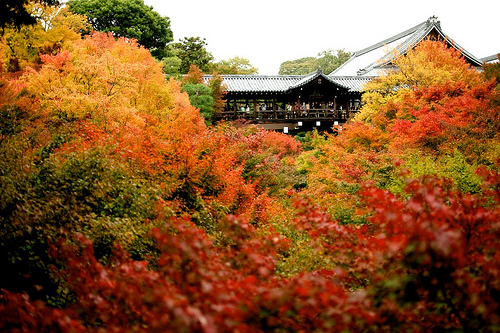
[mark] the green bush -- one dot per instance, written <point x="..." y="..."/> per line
<point x="86" y="191"/>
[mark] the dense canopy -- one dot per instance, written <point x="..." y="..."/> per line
<point x="121" y="210"/>
<point x="127" y="18"/>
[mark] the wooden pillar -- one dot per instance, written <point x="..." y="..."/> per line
<point x="274" y="108"/>
<point x="299" y="111"/>
<point x="255" y="108"/>
<point x="226" y="110"/>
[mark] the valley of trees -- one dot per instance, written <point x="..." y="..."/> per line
<point x="124" y="209"/>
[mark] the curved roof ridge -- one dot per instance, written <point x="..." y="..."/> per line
<point x="308" y="78"/>
<point x="418" y="35"/>
<point x="393" y="38"/>
<point x="319" y="73"/>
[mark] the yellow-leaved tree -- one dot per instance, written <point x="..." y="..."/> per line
<point x="429" y="63"/>
<point x="55" y="30"/>
<point x="106" y="80"/>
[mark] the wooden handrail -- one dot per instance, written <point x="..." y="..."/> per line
<point x="286" y="114"/>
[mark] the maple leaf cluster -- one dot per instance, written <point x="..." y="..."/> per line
<point x="120" y="210"/>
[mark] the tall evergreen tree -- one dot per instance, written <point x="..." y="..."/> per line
<point x="192" y="51"/>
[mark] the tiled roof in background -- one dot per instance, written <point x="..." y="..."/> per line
<point x="491" y="59"/>
<point x="369" y="61"/>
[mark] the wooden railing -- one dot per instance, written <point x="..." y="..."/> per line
<point x="284" y="115"/>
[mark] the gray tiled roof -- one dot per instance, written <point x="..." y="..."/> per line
<point x="307" y="78"/>
<point x="284" y="83"/>
<point x="259" y="83"/>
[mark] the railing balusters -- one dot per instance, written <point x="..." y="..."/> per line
<point x="280" y="115"/>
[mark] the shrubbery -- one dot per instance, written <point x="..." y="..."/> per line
<point x="120" y="210"/>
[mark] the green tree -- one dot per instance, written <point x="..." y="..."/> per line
<point x="235" y="65"/>
<point x="128" y="18"/>
<point x="300" y="66"/>
<point x="171" y="65"/>
<point x="200" y="96"/>
<point x="328" y="60"/>
<point x="191" y="51"/>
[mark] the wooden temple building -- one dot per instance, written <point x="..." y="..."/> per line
<point x="320" y="100"/>
<point x="285" y="100"/>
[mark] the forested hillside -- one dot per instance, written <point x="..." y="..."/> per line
<point x="121" y="210"/>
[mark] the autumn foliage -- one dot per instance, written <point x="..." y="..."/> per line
<point x="121" y="210"/>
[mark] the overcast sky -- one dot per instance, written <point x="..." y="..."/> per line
<point x="269" y="32"/>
